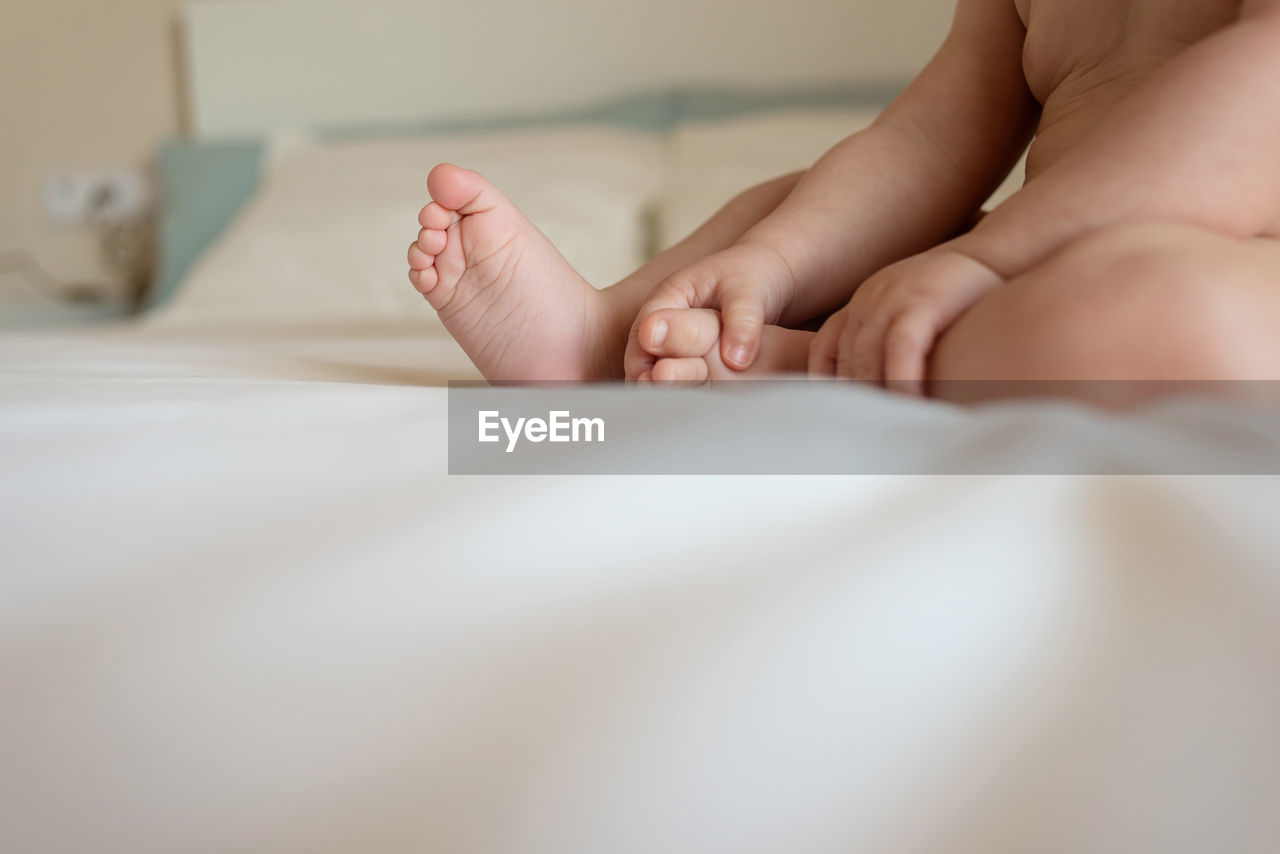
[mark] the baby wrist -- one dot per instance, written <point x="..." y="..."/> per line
<point x="781" y="271"/>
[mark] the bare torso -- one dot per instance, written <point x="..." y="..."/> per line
<point x="1084" y="56"/>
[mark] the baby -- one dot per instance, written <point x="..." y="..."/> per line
<point x="1142" y="246"/>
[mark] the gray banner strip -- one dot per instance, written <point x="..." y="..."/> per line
<point x="803" y="427"/>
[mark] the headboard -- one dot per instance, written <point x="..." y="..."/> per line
<point x="252" y="66"/>
<point x="348" y="66"/>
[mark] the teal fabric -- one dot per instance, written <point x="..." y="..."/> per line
<point x="723" y="104"/>
<point x="647" y="112"/>
<point x="204" y="185"/>
<point x="201" y="187"/>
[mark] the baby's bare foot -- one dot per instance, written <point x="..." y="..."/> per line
<point x="504" y="292"/>
<point x="687" y="344"/>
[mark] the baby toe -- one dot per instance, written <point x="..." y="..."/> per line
<point x="687" y="371"/>
<point x="432" y="240"/>
<point x="435" y="216"/>
<point x="424" y="281"/>
<point x="419" y="260"/>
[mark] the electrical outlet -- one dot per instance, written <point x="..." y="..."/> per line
<point x="112" y="196"/>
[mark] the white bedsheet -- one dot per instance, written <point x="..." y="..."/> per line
<point x="243" y="609"/>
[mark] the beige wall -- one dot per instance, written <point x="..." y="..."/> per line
<point x="380" y="61"/>
<point x="84" y="84"/>
<point x="90" y="84"/>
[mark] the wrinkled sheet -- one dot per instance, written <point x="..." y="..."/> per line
<point x="244" y="609"/>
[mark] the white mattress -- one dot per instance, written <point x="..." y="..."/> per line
<point x="245" y="609"/>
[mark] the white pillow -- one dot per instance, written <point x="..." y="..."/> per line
<point x="324" y="239"/>
<point x="711" y="162"/>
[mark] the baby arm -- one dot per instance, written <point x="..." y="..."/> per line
<point x="919" y="174"/>
<point x="913" y="179"/>
<point x="1195" y="144"/>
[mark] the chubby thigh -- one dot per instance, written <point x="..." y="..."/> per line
<point x="1148" y="301"/>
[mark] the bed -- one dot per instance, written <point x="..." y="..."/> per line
<point x="245" y="606"/>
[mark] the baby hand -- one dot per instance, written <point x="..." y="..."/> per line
<point x="885" y="333"/>
<point x="749" y="284"/>
<point x="697" y="331"/>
